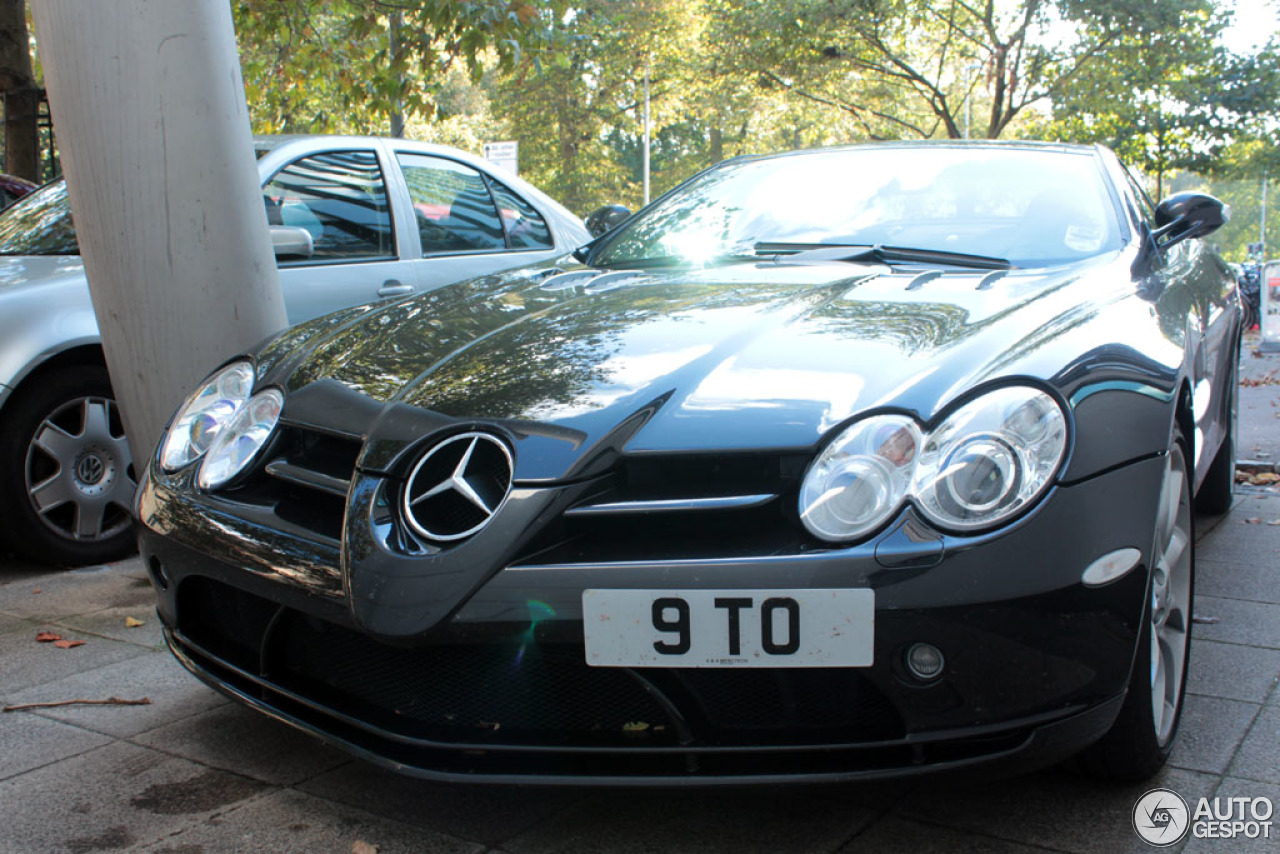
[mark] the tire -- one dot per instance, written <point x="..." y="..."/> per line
<point x="1141" y="739"/>
<point x="1218" y="489"/>
<point x="66" y="474"/>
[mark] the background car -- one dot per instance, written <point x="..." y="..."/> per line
<point x="13" y="188"/>
<point x="353" y="219"/>
<point x="839" y="464"/>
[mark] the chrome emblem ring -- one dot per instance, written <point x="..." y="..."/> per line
<point x="458" y="486"/>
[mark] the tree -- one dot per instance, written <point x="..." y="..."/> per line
<point x="913" y="68"/>
<point x="334" y="66"/>
<point x="21" y="95"/>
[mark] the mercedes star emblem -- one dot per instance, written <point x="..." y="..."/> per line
<point x="458" y="486"/>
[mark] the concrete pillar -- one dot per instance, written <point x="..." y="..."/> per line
<point x="149" y="107"/>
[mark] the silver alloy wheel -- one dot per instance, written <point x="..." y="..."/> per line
<point x="79" y="473"/>
<point x="1170" y="597"/>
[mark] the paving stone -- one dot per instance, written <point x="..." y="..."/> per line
<point x="1248" y="623"/>
<point x="1259" y="758"/>
<point x="1252" y="580"/>
<point x="112" y="623"/>
<point x="245" y="741"/>
<point x="112" y="798"/>
<point x="79" y="591"/>
<point x="1232" y="671"/>
<point x="488" y="814"/>
<point x="1053" y="809"/>
<point x="29" y="741"/>
<point x="24" y="662"/>
<point x="892" y="835"/>
<point x="1233" y="787"/>
<point x="1210" y="732"/>
<point x="1241" y="543"/>
<point x="174" y="694"/>
<point x="288" y="821"/>
<point x="774" y="820"/>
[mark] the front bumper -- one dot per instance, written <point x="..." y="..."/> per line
<point x="1036" y="662"/>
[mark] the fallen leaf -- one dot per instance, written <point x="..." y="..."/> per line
<point x="1265" y="477"/>
<point x="132" y="622"/>
<point x="635" y="726"/>
<point x="36" y="592"/>
<point x="1206" y="621"/>
<point x="1274" y="522"/>
<point x="364" y="848"/>
<point x="46" y="637"/>
<point x="68" y="644"/>
<point x="1253" y="520"/>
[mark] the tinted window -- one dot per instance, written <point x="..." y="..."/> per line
<point x="39" y="224"/>
<point x="1030" y="206"/>
<point x="339" y="197"/>
<point x="452" y="206"/>
<point x="526" y="228"/>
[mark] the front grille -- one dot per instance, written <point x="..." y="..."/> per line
<point x="681" y="507"/>
<point x="303" y="479"/>
<point x="517" y="689"/>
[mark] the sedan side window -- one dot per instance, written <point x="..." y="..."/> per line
<point x="452" y="205"/>
<point x="526" y="229"/>
<point x="340" y="197"/>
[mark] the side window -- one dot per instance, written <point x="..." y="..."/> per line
<point x="526" y="228"/>
<point x="452" y="206"/>
<point x="341" y="198"/>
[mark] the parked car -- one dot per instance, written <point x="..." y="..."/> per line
<point x="13" y="188"/>
<point x="849" y="463"/>
<point x="353" y="219"/>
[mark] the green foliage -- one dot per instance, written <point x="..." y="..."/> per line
<point x="349" y="66"/>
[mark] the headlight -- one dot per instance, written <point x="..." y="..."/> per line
<point x="985" y="463"/>
<point x="241" y="440"/>
<point x="860" y="479"/>
<point x="205" y="414"/>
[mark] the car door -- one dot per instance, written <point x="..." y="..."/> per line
<point x="341" y="198"/>
<point x="468" y="223"/>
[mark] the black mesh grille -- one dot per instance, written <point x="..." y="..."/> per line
<point x="508" y="692"/>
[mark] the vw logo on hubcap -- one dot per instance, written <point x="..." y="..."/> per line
<point x="458" y="486"/>
<point x="90" y="469"/>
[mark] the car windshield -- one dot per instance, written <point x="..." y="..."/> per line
<point x="39" y="224"/>
<point x="1032" y="207"/>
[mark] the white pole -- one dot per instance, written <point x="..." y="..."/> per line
<point x="1262" y="219"/>
<point x="149" y="107"/>
<point x="646" y="130"/>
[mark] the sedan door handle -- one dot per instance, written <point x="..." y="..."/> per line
<point x="393" y="288"/>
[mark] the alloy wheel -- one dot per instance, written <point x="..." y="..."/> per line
<point x="79" y="473"/>
<point x="1170" y="597"/>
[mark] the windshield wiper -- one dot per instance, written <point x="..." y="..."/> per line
<point x="884" y="254"/>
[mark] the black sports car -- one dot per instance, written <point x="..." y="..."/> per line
<point x="833" y="464"/>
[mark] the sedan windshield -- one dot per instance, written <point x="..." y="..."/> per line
<point x="39" y="224"/>
<point x="1032" y="207"/>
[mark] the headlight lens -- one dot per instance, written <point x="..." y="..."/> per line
<point x="241" y="440"/>
<point x="985" y="463"/>
<point x="205" y="414"/>
<point x="860" y="479"/>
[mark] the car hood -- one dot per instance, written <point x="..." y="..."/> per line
<point x="748" y="356"/>
<point x="18" y="271"/>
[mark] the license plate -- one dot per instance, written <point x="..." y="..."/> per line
<point x="729" y="628"/>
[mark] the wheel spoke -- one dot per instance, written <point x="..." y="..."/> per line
<point x="57" y="443"/>
<point x="97" y="422"/>
<point x="89" y="517"/>
<point x="52" y="493"/>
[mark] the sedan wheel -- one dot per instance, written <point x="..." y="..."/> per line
<point x="67" y="475"/>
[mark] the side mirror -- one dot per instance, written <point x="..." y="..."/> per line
<point x="291" y="243"/>
<point x="606" y="219"/>
<point x="1187" y="215"/>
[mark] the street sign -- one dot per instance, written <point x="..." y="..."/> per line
<point x="503" y="155"/>
<point x="1269" y="307"/>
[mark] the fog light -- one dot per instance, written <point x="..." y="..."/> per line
<point x="924" y="661"/>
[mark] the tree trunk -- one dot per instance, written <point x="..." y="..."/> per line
<point x="21" y="96"/>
